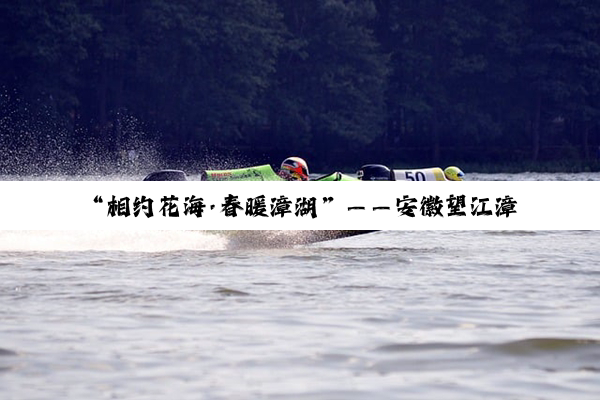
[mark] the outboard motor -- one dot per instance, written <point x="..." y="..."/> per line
<point x="166" y="175"/>
<point x="374" y="172"/>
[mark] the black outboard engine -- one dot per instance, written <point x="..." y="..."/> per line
<point x="166" y="175"/>
<point x="374" y="172"/>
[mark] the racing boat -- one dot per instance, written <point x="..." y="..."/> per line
<point x="262" y="173"/>
<point x="259" y="173"/>
<point x="369" y="172"/>
<point x="284" y="239"/>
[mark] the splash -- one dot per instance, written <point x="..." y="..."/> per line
<point x="161" y="241"/>
<point x="129" y="241"/>
<point x="37" y="141"/>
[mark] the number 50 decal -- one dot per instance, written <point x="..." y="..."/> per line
<point x="415" y="176"/>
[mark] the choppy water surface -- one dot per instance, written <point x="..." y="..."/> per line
<point x="417" y="315"/>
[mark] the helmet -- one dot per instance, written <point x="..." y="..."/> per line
<point x="374" y="172"/>
<point x="454" y="174"/>
<point x="294" y="169"/>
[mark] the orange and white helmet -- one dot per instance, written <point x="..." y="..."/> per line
<point x="294" y="169"/>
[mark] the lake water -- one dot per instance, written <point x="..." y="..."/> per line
<point x="387" y="315"/>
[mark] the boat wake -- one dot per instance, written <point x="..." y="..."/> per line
<point x="129" y="241"/>
<point x="161" y="241"/>
<point x="285" y="239"/>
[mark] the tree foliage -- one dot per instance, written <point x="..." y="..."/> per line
<point x="464" y="80"/>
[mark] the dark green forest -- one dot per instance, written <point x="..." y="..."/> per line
<point x="338" y="82"/>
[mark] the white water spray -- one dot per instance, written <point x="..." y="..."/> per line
<point x="130" y="241"/>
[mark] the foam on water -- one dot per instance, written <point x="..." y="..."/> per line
<point x="131" y="241"/>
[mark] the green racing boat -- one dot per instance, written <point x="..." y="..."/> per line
<point x="369" y="172"/>
<point x="262" y="173"/>
<point x="258" y="173"/>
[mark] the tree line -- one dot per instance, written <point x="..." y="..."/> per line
<point x="392" y="81"/>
